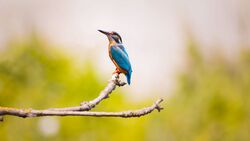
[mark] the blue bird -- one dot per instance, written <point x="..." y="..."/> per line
<point x="118" y="54"/>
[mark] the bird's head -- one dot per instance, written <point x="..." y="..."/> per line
<point x="112" y="36"/>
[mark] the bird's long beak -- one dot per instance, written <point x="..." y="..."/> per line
<point x="104" y="32"/>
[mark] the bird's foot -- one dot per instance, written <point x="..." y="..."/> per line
<point x="115" y="79"/>
<point x="116" y="71"/>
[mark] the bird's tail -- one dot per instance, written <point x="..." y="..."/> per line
<point x="128" y="76"/>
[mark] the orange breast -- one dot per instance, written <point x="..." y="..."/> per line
<point x="118" y="67"/>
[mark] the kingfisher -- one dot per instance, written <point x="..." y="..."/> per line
<point x="118" y="54"/>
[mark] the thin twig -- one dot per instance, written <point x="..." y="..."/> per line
<point x="86" y="106"/>
<point x="39" y="113"/>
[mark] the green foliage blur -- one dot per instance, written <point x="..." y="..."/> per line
<point x="211" y="100"/>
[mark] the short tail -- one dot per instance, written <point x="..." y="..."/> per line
<point x="128" y="76"/>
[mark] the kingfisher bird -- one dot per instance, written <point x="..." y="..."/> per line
<point x="118" y="54"/>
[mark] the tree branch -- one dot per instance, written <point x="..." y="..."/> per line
<point x="86" y="106"/>
<point x="39" y="113"/>
<point x="83" y="109"/>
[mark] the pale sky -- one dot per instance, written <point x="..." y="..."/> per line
<point x="153" y="31"/>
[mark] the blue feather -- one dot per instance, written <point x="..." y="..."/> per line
<point x="120" y="56"/>
<point x="123" y="49"/>
<point x="128" y="76"/>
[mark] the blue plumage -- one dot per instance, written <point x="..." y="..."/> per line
<point x="120" y="56"/>
<point x="123" y="49"/>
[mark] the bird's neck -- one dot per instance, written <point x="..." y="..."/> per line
<point x="112" y="43"/>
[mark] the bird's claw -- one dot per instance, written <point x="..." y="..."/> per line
<point x="116" y="71"/>
<point x="115" y="79"/>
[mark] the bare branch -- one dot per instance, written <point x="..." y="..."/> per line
<point x="39" y="113"/>
<point x="86" y="106"/>
<point x="83" y="109"/>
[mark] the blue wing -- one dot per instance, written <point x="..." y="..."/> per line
<point x="123" y="49"/>
<point x="121" y="58"/>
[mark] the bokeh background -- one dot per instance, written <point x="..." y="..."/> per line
<point x="195" y="54"/>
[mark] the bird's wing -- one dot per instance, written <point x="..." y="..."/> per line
<point x="123" y="49"/>
<point x="120" y="57"/>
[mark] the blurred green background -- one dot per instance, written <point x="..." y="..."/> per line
<point x="210" y="102"/>
<point x="195" y="54"/>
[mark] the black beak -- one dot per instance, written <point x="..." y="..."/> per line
<point x="104" y="32"/>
